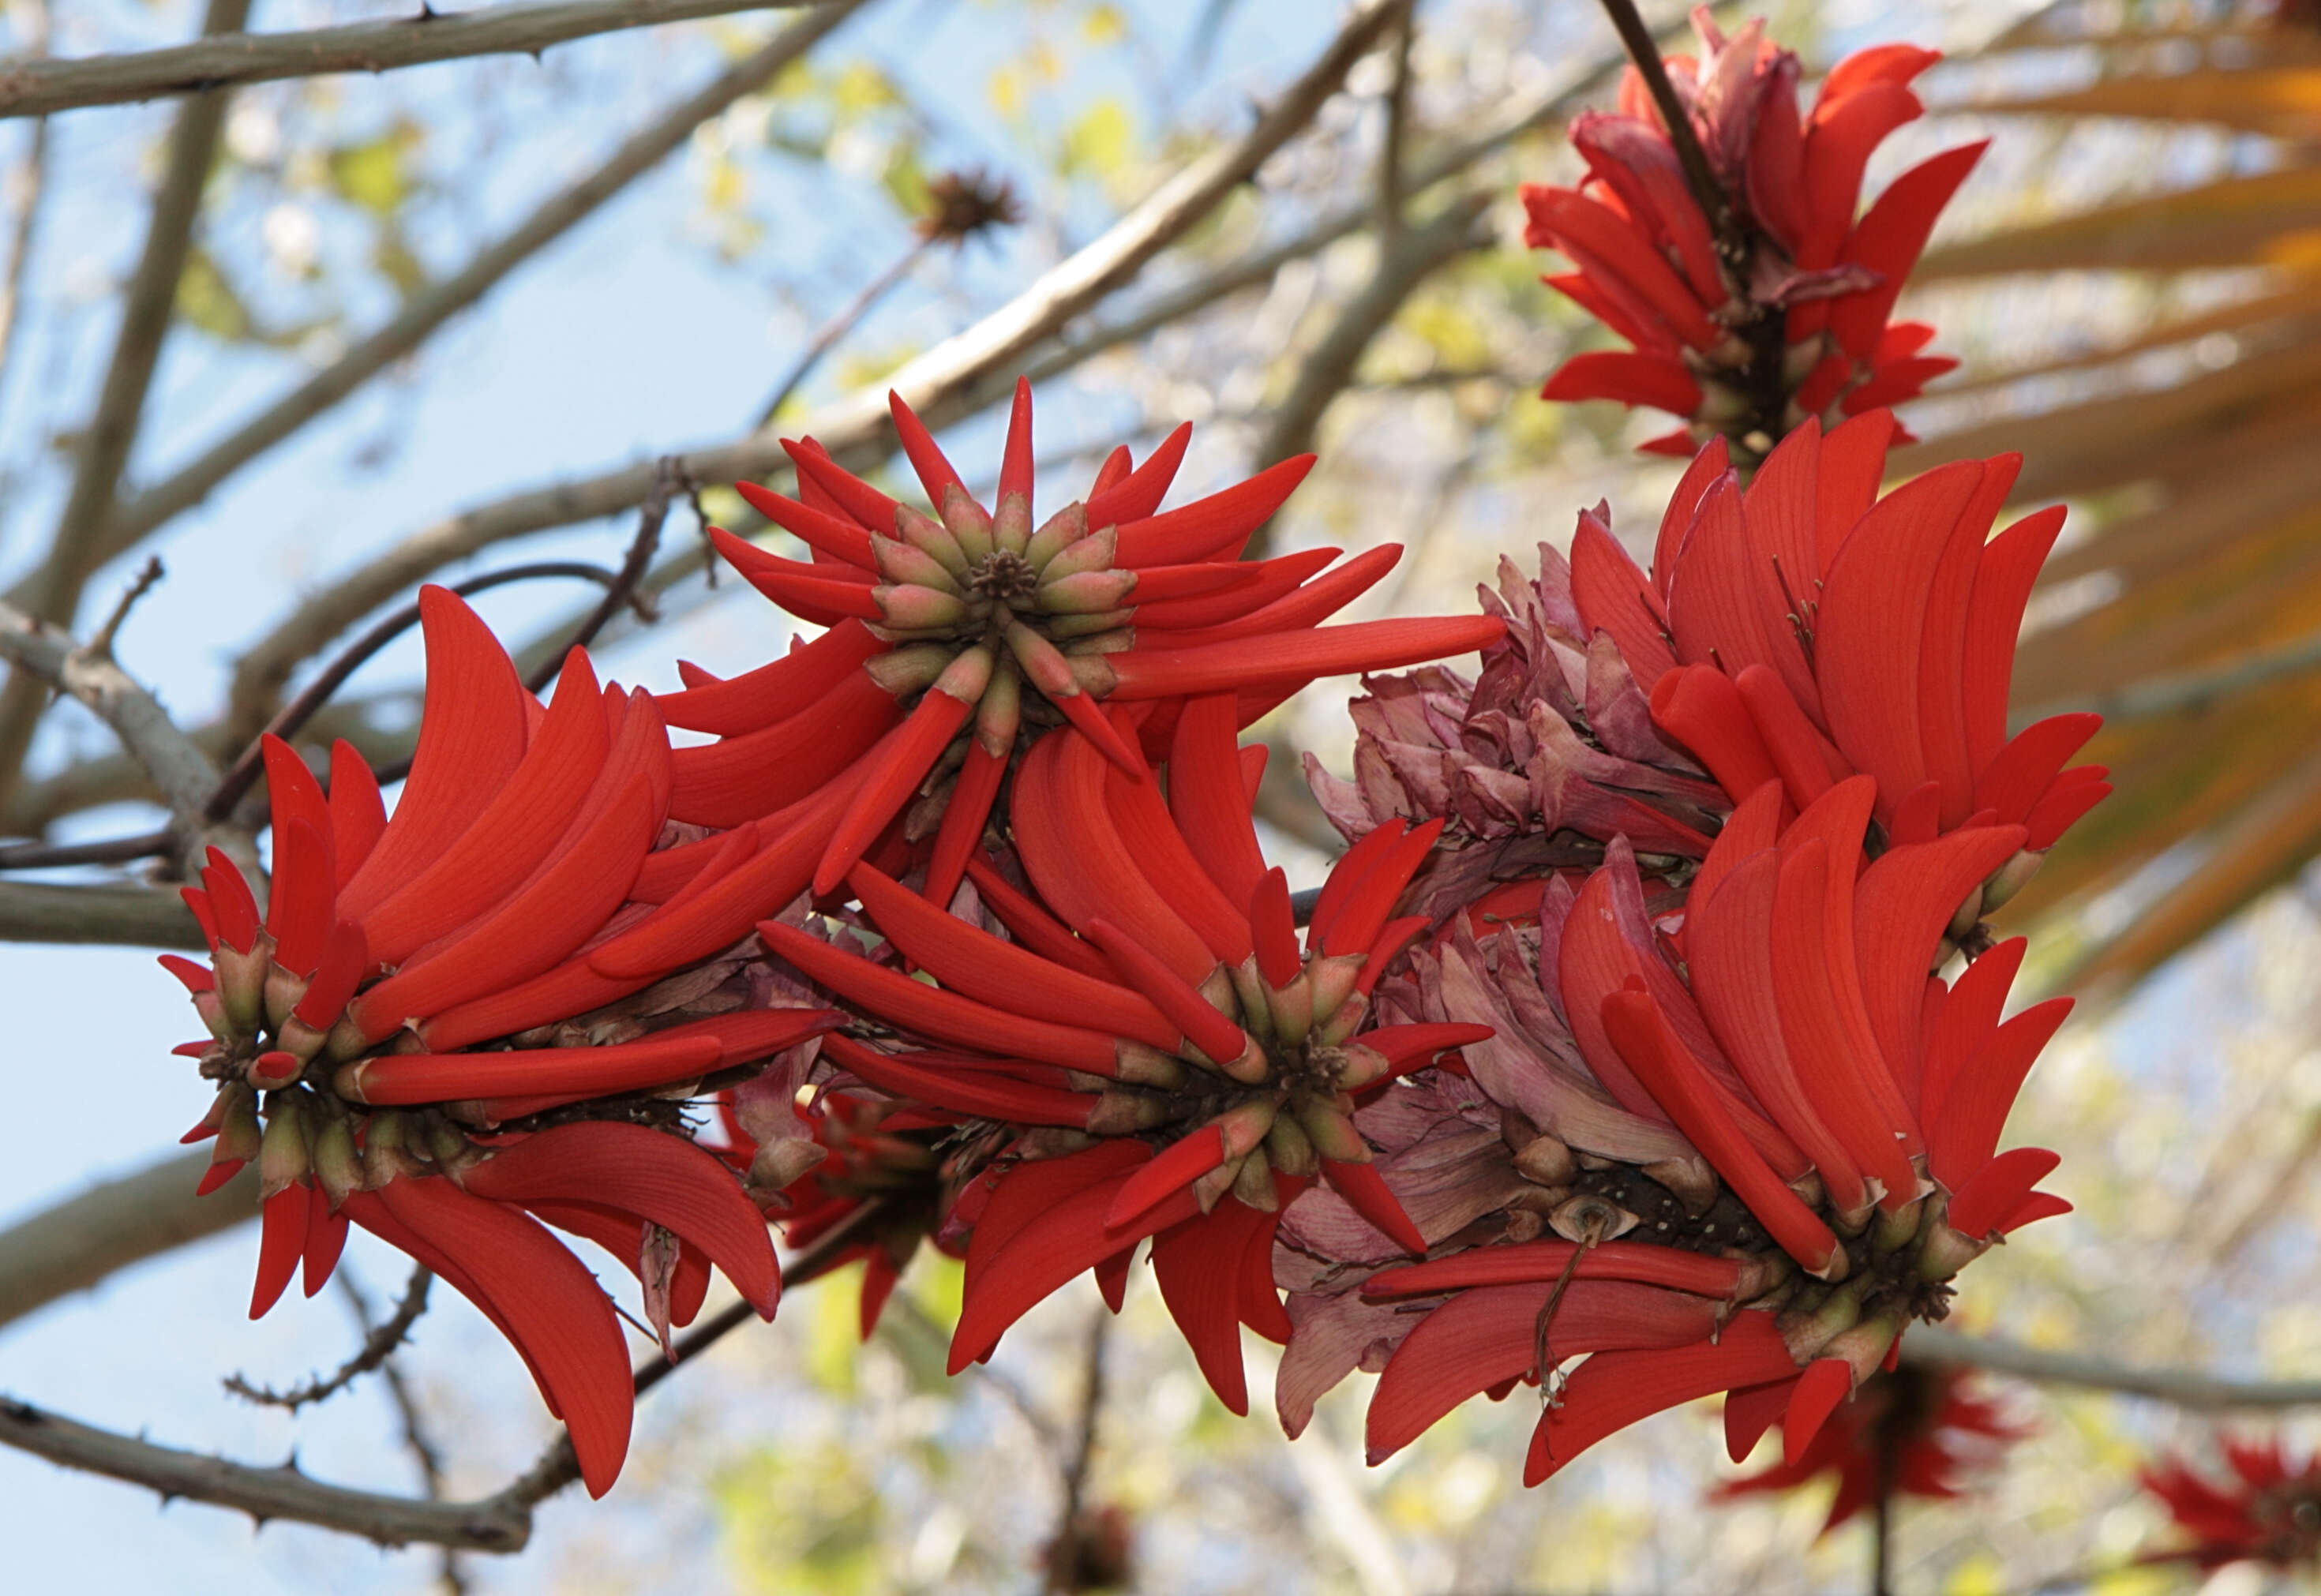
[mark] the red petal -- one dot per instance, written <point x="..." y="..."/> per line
<point x="443" y="1077"/>
<point x="759" y="773"/>
<point x="1164" y="857"/>
<point x="2002" y="587"/>
<point x="1268" y="581"/>
<point x="819" y="474"/>
<point x="1300" y="657"/>
<point x="1708" y="467"/>
<point x="546" y="1302"/>
<point x="1612" y="596"/>
<point x="230" y="901"/>
<point x="1483" y="1337"/>
<point x="326" y="1238"/>
<point x="1995" y="1191"/>
<point x="651" y="1173"/>
<point x="1779" y="515"/>
<point x="1975" y="1105"/>
<point x="345" y="960"/>
<point x="1614" y="1390"/>
<point x="1183" y="1008"/>
<point x="1352" y="864"/>
<point x="281" y="1241"/>
<point x="1308" y="606"/>
<point x="793" y="685"/>
<point x="1725" y="606"/>
<point x="1887" y="240"/>
<point x="1172" y="1170"/>
<point x="299" y="917"/>
<point x="1214" y="527"/>
<point x="1532" y="1262"/>
<point x="1574" y="219"/>
<point x="836" y="535"/>
<point x="1367" y="1193"/>
<point x="1753" y="827"/>
<point x="472" y="731"/>
<point x="358" y="811"/>
<point x="1363" y="914"/>
<point x="1025" y="1190"/>
<point x="1653" y="380"/>
<point x="935" y="473"/>
<point x="1207" y="799"/>
<point x="1032" y="926"/>
<point x="1750" y="1412"/>
<point x="1902" y="905"/>
<point x="893" y="774"/>
<point x="2025" y="767"/>
<point x="1837" y="148"/>
<point x="1965" y="1016"/>
<point x="1197" y="1267"/>
<point x="1808" y="763"/>
<point x="986" y="1094"/>
<point x="1699" y="707"/>
<point x="1274" y="929"/>
<point x="1826" y="1382"/>
<point x="1677" y="1081"/>
<point x="1852" y="464"/>
<point x="1137" y="494"/>
<point x="961" y="831"/>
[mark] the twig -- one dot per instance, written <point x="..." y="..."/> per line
<point x="1063" y="1548"/>
<point x="2184" y="1388"/>
<point x="44" y="657"/>
<point x="2184" y="693"/>
<point x="423" y="1451"/>
<point x="74" y="551"/>
<point x="956" y="377"/>
<point x="379" y="1340"/>
<point x="317" y="693"/>
<point x="38" y="88"/>
<point x="621" y="593"/>
<point x="101" y="644"/>
<point x="1644" y="54"/>
<point x="112" y="850"/>
<point x="71" y="1244"/>
<point x="137" y="916"/>
<point x="850" y="315"/>
<point x="1396" y="131"/>
<point x="31" y="183"/>
<point x="426" y="310"/>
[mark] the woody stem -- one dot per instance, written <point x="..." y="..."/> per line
<point x="1698" y="175"/>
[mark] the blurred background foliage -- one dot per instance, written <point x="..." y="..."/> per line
<point x="2133" y="276"/>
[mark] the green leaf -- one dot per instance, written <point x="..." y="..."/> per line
<point x="1099" y="141"/>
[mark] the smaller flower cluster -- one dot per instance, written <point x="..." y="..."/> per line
<point x="2266" y="1509"/>
<point x="1769" y="305"/>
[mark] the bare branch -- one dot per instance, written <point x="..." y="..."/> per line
<point x="138" y="916"/>
<point x="263" y="1493"/>
<point x="2184" y="693"/>
<point x="38" y="89"/>
<point x="1398" y="130"/>
<point x="380" y="1341"/>
<point x="623" y="592"/>
<point x="72" y="1245"/>
<point x="30" y="185"/>
<point x="956" y="377"/>
<point x="1063" y="1553"/>
<point x="146" y="312"/>
<point x="430" y="307"/>
<point x="2185" y="1388"/>
<point x="44" y="657"/>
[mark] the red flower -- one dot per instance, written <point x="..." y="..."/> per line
<point x="1194" y="1066"/>
<point x="1805" y="628"/>
<point x="1546" y="756"/>
<point x="955" y="640"/>
<point x="2267" y="1511"/>
<point x="1915" y="1429"/>
<point x="1796" y="1123"/>
<point x="1781" y="316"/>
<point x="348" y="1016"/>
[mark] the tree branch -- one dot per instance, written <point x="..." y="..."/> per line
<point x="379" y="1342"/>
<point x="146" y="312"/>
<point x="30" y="181"/>
<point x="263" y="1493"/>
<point x="72" y="1245"/>
<point x="427" y="309"/>
<point x="2185" y="1388"/>
<point x="956" y="377"/>
<point x="134" y="916"/>
<point x="44" y="655"/>
<point x="37" y="88"/>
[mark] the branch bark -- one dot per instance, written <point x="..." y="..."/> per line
<point x="2185" y="1388"/>
<point x="72" y="1245"/>
<point x="38" y="89"/>
<point x="133" y="916"/>
<point x="263" y="1493"/>
<point x="429" y="309"/>
<point x="43" y="657"/>
<point x="955" y="378"/>
<point x="74" y="553"/>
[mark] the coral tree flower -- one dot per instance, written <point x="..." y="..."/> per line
<point x="1805" y="628"/>
<point x="956" y="640"/>
<point x="1762" y="1164"/>
<point x="1545" y="757"/>
<point x="2267" y="1509"/>
<point x="1749" y="325"/>
<point x="1915" y="1432"/>
<point x="1194" y="1067"/>
<point x="349" y="1018"/>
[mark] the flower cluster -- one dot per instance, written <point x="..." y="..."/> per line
<point x="1764" y="303"/>
<point x="1650" y="1020"/>
<point x="2267" y="1509"/>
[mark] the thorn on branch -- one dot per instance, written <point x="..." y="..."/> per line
<point x="381" y="1340"/>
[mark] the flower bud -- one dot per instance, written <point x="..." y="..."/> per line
<point x="1088" y="594"/>
<point x="912" y="608"/>
<point x="282" y="1153"/>
<point x="1333" y="1132"/>
<point x="1807" y="1330"/>
<point x="900" y="562"/>
<point x="969" y="524"/>
<point x="1060" y="531"/>
<point x="1011" y="524"/>
<point x="929" y="536"/>
<point x="1289" y="1149"/>
<point x="272" y="1071"/>
<point x="2010" y="878"/>
<point x="1088" y="557"/>
<point x="1124" y="1113"/>
<point x="1253" y="1185"/>
<point x="337" y="1166"/>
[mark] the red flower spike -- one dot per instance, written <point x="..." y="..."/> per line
<point x="1364" y="914"/>
<point x="750" y="774"/>
<point x="299" y="917"/>
<point x="1356" y="863"/>
<point x="1262" y="582"/>
<point x="282" y="1241"/>
<point x="657" y="1176"/>
<point x="471" y="736"/>
<point x="546" y="1302"/>
<point x="846" y="493"/>
<point x="834" y="535"/>
<point x="1034" y="1188"/>
<point x="774" y="691"/>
